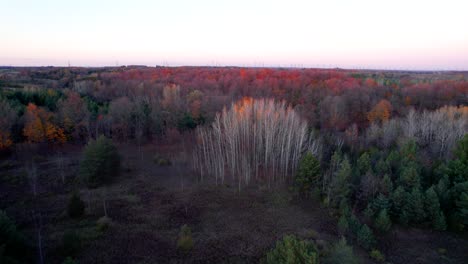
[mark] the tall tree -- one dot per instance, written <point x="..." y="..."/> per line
<point x="7" y="120"/>
<point x="308" y="174"/>
<point x="39" y="126"/>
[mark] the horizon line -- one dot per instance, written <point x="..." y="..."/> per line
<point x="262" y="66"/>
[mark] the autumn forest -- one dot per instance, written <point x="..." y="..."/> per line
<point x="139" y="164"/>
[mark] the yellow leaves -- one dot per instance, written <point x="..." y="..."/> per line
<point x="381" y="112"/>
<point x="5" y="141"/>
<point x="39" y="128"/>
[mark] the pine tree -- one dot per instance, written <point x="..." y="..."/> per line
<point x="308" y="174"/>
<point x="386" y="185"/>
<point x="341" y="253"/>
<point x="340" y="184"/>
<point x="416" y="206"/>
<point x="409" y="176"/>
<point x="439" y="222"/>
<point x="458" y="168"/>
<point x="433" y="210"/>
<point x="364" y="163"/>
<point x="461" y="201"/>
<point x="291" y="250"/>
<point x="380" y="203"/>
<point x="383" y="222"/>
<point x="400" y="206"/>
<point x="365" y="237"/>
<point x="442" y="189"/>
<point x="101" y="162"/>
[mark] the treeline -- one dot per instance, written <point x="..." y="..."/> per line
<point x="140" y="103"/>
<point x="411" y="171"/>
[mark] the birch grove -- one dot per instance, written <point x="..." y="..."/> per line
<point x="255" y="140"/>
<point x="438" y="130"/>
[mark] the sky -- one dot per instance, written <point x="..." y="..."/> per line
<point x="397" y="34"/>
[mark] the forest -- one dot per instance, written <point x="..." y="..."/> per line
<point x="138" y="164"/>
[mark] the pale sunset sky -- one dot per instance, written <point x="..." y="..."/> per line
<point x="397" y="34"/>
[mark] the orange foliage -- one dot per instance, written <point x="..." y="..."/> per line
<point x="5" y="141"/>
<point x="381" y="111"/>
<point x="39" y="128"/>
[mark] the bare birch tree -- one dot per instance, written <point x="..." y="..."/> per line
<point x="253" y="140"/>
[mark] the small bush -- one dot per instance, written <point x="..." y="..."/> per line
<point x="69" y="260"/>
<point x="101" y="162"/>
<point x="377" y="255"/>
<point x="292" y="250"/>
<point x="71" y="243"/>
<point x="161" y="161"/>
<point x="365" y="237"/>
<point x="442" y="251"/>
<point x="341" y="253"/>
<point x="103" y="223"/>
<point x="185" y="241"/>
<point x="76" y="206"/>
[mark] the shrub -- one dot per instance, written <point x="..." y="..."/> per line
<point x="69" y="260"/>
<point x="76" y="206"/>
<point x="341" y="253"/>
<point x="383" y="222"/>
<point x="160" y="161"/>
<point x="365" y="237"/>
<point x="103" y="223"/>
<point x="377" y="255"/>
<point x="185" y="241"/>
<point x="101" y="162"/>
<point x="71" y="243"/>
<point x="292" y="250"/>
<point x="308" y="174"/>
<point x="14" y="247"/>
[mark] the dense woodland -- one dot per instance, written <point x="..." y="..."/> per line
<point x="378" y="151"/>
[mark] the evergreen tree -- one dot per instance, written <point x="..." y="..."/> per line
<point x="364" y="163"/>
<point x="457" y="169"/>
<point x="439" y="222"/>
<point x="399" y="199"/>
<point x="461" y="201"/>
<point x="416" y="206"/>
<point x="341" y="253"/>
<point x="383" y="222"/>
<point x="340" y="189"/>
<point x="381" y="202"/>
<point x="382" y="167"/>
<point x="409" y="176"/>
<point x="442" y="189"/>
<point x="101" y="162"/>
<point x="308" y="174"/>
<point x="386" y="185"/>
<point x="291" y="250"/>
<point x="433" y="210"/>
<point x="365" y="237"/>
